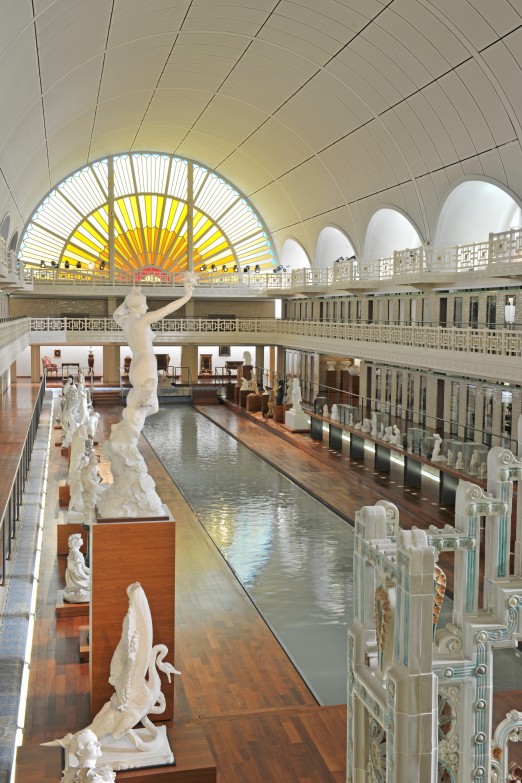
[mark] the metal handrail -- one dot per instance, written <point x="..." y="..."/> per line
<point x="11" y="511"/>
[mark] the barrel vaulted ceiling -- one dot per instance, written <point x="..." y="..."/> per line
<point x="320" y="112"/>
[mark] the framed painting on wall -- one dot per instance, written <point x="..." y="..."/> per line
<point x="224" y="350"/>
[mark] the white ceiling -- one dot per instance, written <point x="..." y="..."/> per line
<point x="320" y="112"/>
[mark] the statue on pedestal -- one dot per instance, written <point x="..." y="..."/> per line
<point x="69" y="412"/>
<point x="459" y="464"/>
<point x="85" y="487"/>
<point x="77" y="576"/>
<point x="435" y="454"/>
<point x="134" y="673"/>
<point x="366" y="426"/>
<point x="296" y="396"/>
<point x="373" y="420"/>
<point x="133" y="492"/>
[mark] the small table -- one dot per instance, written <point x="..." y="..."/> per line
<point x="69" y="364"/>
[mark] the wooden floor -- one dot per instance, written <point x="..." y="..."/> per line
<point x="259" y="717"/>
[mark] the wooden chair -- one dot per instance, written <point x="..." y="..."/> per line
<point x="49" y="366"/>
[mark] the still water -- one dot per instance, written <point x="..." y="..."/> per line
<point x="292" y="555"/>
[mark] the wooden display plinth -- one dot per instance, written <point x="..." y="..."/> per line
<point x="63" y="531"/>
<point x="64" y="494"/>
<point x="64" y="609"/>
<point x="236" y="394"/>
<point x="124" y="551"/>
<point x="66" y="452"/>
<point x="243" y="396"/>
<point x="253" y="403"/>
<point x="85" y="647"/>
<point x="194" y="762"/>
<point x="279" y="412"/>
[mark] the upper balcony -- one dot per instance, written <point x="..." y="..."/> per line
<point x="423" y="268"/>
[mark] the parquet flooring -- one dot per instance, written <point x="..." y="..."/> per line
<point x="259" y="717"/>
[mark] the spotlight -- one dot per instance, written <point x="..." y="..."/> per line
<point x="235" y="267"/>
<point x="203" y="268"/>
<point x="42" y="264"/>
<point x="66" y="265"/>
<point x="213" y="268"/>
<point x="246" y="269"/>
<point x="78" y="265"/>
<point x="224" y="268"/>
<point x="54" y="264"/>
<point x="102" y="266"/>
<point x="257" y="269"/>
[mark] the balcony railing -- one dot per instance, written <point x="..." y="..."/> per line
<point x="499" y="342"/>
<point x="502" y="249"/>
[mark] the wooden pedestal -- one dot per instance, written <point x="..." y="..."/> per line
<point x="194" y="762"/>
<point x="243" y="395"/>
<point x="64" y="494"/>
<point x="123" y="552"/>
<point x="253" y="403"/>
<point x="65" y="609"/>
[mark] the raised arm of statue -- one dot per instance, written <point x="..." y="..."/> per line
<point x="157" y="315"/>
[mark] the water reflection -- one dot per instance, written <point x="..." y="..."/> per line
<point x="292" y="555"/>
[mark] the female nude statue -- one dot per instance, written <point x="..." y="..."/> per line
<point x="132" y="492"/>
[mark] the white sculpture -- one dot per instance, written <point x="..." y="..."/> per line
<point x="82" y="765"/>
<point x="84" y="488"/>
<point x="335" y="412"/>
<point x="350" y="421"/>
<point x="388" y="434"/>
<point x="366" y="425"/>
<point x="460" y="461"/>
<point x="296" y="396"/>
<point x="435" y="455"/>
<point x="373" y="425"/>
<point x="358" y="426"/>
<point x="69" y="413"/>
<point x="133" y="492"/>
<point x="483" y="470"/>
<point x="77" y="576"/>
<point x="247" y="358"/>
<point x="326" y="412"/>
<point x="78" y="447"/>
<point x="473" y="464"/>
<point x="451" y="459"/>
<point x="381" y="431"/>
<point x="396" y="437"/>
<point x="134" y="673"/>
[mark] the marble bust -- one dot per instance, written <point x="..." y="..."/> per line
<point x="86" y="752"/>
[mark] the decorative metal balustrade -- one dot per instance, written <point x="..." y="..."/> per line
<point x="501" y="252"/>
<point x="495" y="342"/>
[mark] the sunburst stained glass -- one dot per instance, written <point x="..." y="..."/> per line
<point x="143" y="201"/>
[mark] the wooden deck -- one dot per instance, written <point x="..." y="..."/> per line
<point x="260" y="719"/>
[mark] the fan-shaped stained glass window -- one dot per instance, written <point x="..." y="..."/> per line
<point x="143" y="211"/>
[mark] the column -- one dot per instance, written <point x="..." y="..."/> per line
<point x="431" y="401"/>
<point x="479" y="413"/>
<point x="416" y="397"/>
<point x="12" y="372"/>
<point x="189" y="363"/>
<point x="260" y="362"/>
<point x="36" y="365"/>
<point x="111" y="364"/>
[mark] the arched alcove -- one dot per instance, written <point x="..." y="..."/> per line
<point x="389" y="230"/>
<point x="332" y="244"/>
<point x="13" y="244"/>
<point x="4" y="227"/>
<point x="294" y="256"/>
<point x="472" y="210"/>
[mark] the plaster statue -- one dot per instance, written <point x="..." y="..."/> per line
<point x="459" y="464"/>
<point x="473" y="464"/>
<point x="358" y="425"/>
<point x="374" y="425"/>
<point x="63" y="396"/>
<point x="388" y="431"/>
<point x="247" y="358"/>
<point x="350" y="420"/>
<point x="272" y="398"/>
<point x="451" y="459"/>
<point x="82" y="765"/>
<point x="83" y="400"/>
<point x="483" y="470"/>
<point x="396" y="437"/>
<point x="70" y="413"/>
<point x="85" y="487"/>
<point x="296" y="396"/>
<point x="78" y="443"/>
<point x="435" y="454"/>
<point x="134" y="673"/>
<point x="133" y="492"/>
<point x="381" y="431"/>
<point x="77" y="576"/>
<point x="280" y="392"/>
<point x="366" y="425"/>
<point x="335" y="412"/>
<point x="326" y="412"/>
